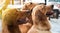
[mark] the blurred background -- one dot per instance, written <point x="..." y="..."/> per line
<point x="54" y="19"/>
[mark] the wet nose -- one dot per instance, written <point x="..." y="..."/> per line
<point x="52" y="6"/>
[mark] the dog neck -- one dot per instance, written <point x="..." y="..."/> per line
<point x="43" y="26"/>
<point x="40" y="21"/>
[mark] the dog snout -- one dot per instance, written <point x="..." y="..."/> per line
<point x="21" y="21"/>
<point x="30" y="2"/>
<point x="49" y="13"/>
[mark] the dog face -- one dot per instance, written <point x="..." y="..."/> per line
<point x="23" y="17"/>
<point x="24" y="21"/>
<point x="43" y="8"/>
<point x="28" y="6"/>
<point x="39" y="12"/>
<point x="15" y="17"/>
<point x="27" y="15"/>
<point x="40" y="19"/>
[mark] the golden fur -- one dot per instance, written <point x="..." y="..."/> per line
<point x="24" y="26"/>
<point x="40" y="21"/>
<point x="12" y="20"/>
<point x="9" y="22"/>
<point x="27" y="6"/>
<point x="19" y="21"/>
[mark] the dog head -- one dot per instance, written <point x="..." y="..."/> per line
<point x="28" y="6"/>
<point x="23" y="17"/>
<point x="44" y="9"/>
<point x="40" y="12"/>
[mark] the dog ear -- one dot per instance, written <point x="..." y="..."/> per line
<point x="40" y="16"/>
<point x="41" y="8"/>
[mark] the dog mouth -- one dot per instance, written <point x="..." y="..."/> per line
<point x="49" y="13"/>
<point x="22" y="20"/>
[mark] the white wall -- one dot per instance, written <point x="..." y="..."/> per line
<point x="38" y="1"/>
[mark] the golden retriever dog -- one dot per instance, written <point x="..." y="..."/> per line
<point x="9" y="22"/>
<point x="12" y="18"/>
<point x="24" y="19"/>
<point x="40" y="21"/>
<point x="24" y="27"/>
<point x="27" y="7"/>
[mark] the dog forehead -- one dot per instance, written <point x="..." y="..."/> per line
<point x="49" y="6"/>
<point x="42" y="6"/>
<point x="39" y="6"/>
<point x="28" y="3"/>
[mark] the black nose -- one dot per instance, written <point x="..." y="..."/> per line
<point x="30" y="2"/>
<point x="52" y="6"/>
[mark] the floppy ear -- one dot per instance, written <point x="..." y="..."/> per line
<point x="40" y="16"/>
